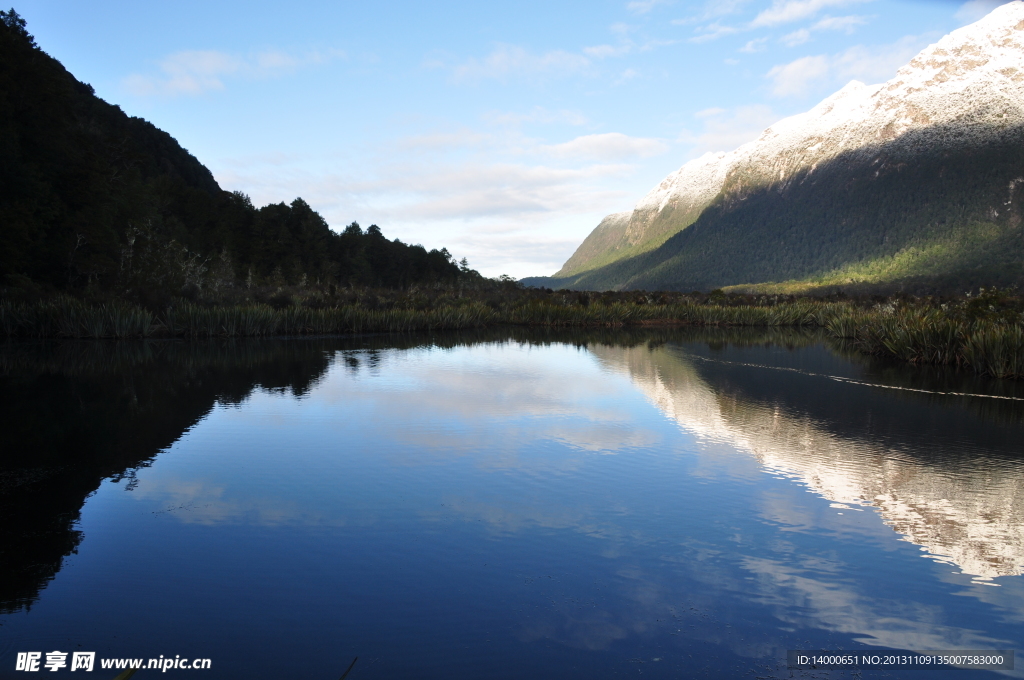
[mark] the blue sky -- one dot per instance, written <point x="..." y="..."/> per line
<point x="503" y="131"/>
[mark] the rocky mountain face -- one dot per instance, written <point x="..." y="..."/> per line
<point x="917" y="178"/>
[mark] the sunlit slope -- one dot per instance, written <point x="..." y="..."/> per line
<point x="916" y="179"/>
<point x="604" y="245"/>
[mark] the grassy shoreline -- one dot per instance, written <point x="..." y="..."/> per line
<point x="984" y="333"/>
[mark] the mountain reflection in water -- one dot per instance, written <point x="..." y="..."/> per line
<point x="77" y="413"/>
<point x="947" y="480"/>
<point x="506" y="503"/>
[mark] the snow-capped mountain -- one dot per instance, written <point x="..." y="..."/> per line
<point x="963" y="91"/>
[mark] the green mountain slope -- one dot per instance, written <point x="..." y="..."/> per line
<point x="948" y="217"/>
<point x="603" y="245"/>
<point x="909" y="182"/>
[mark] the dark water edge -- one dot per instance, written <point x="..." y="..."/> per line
<point x="78" y="413"/>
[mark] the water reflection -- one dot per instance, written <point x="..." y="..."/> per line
<point x="954" y="487"/>
<point x="77" y="413"/>
<point x="509" y="501"/>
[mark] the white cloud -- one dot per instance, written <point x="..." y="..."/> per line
<point x="473" y="201"/>
<point x="645" y="6"/>
<point x="846" y="24"/>
<point x="971" y="11"/>
<point x="651" y="44"/>
<point x="488" y="190"/>
<point x="193" y="72"/>
<point x="610" y="146"/>
<point x="796" y="77"/>
<point x="755" y="45"/>
<point x="712" y="9"/>
<point x="274" y="60"/>
<point x="725" y="130"/>
<point x="603" y="51"/>
<point x="626" y="76"/>
<point x="440" y="141"/>
<point x="876" y="63"/>
<point x="470" y="202"/>
<point x="538" y="114"/>
<point x="707" y="113"/>
<point x="538" y="255"/>
<point x="513" y="61"/>
<point x="782" y="12"/>
<point x="788" y="11"/>
<point x="873" y="64"/>
<point x="796" y="38"/>
<point x="429" y="190"/>
<point x="625" y="46"/>
<point x="713" y="32"/>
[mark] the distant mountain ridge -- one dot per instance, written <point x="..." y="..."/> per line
<point x="914" y="180"/>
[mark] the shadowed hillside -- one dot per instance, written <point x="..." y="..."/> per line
<point x="94" y="201"/>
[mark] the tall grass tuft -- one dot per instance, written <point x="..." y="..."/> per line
<point x="9" y="322"/>
<point x="996" y="350"/>
<point x="126" y="321"/>
<point x="918" y="337"/>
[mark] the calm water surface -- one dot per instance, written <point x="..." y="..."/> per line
<point x="670" y="504"/>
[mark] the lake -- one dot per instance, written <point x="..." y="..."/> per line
<point x="505" y="504"/>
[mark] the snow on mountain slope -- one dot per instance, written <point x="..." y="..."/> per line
<point x="967" y="84"/>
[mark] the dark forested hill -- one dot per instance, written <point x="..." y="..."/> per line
<point x="94" y="199"/>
